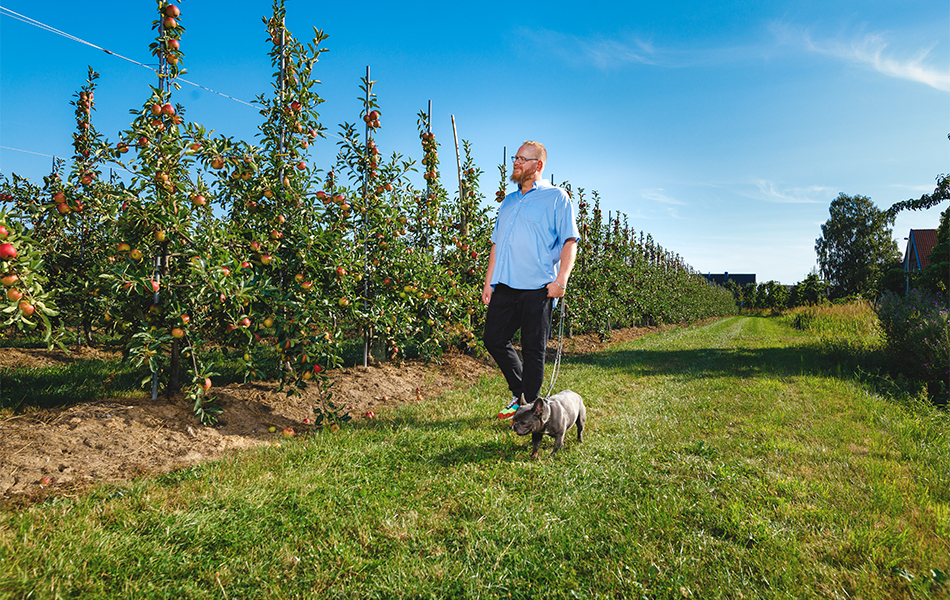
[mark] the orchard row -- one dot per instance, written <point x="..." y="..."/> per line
<point x="215" y="242"/>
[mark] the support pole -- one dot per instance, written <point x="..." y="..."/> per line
<point x="463" y="212"/>
<point x="366" y="333"/>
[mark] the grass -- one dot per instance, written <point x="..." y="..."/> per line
<point x="728" y="460"/>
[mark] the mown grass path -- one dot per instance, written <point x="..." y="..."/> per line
<point x="728" y="460"/>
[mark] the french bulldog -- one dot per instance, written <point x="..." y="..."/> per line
<point x="552" y="416"/>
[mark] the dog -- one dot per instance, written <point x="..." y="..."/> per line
<point x="552" y="416"/>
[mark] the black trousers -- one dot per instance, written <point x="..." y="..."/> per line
<point x="530" y="311"/>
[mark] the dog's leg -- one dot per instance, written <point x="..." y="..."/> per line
<point x="558" y="442"/>
<point x="581" y="423"/>
<point x="536" y="444"/>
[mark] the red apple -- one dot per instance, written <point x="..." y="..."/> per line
<point x="9" y="279"/>
<point x="26" y="308"/>
<point x="4" y="232"/>
<point x="306" y="285"/>
<point x="288" y="432"/>
<point x="199" y="200"/>
<point x="255" y="246"/>
<point x="370" y="414"/>
<point x="267" y="259"/>
<point x="172" y="11"/>
<point x="206" y="385"/>
<point x="45" y="481"/>
<point x="170" y="23"/>
<point x="168" y="109"/>
<point x="156" y="109"/>
<point x="7" y="251"/>
<point x="14" y="295"/>
<point x="185" y="319"/>
<point x="174" y="44"/>
<point x="155" y="286"/>
<point x="178" y="332"/>
<point x="63" y="208"/>
<point x="245" y="322"/>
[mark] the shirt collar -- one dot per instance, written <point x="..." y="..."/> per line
<point x="539" y="184"/>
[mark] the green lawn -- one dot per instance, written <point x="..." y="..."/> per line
<point x="728" y="460"/>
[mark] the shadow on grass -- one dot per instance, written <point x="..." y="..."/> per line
<point x="841" y="360"/>
<point x="65" y="384"/>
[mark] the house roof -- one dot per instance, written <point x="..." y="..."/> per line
<point x="920" y="243"/>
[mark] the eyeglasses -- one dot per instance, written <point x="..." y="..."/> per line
<point x="521" y="159"/>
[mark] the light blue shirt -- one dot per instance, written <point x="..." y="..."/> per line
<point x="529" y="234"/>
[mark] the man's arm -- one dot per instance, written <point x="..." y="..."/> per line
<point x="557" y="287"/>
<point x="487" y="289"/>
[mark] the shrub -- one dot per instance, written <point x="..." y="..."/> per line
<point x="917" y="338"/>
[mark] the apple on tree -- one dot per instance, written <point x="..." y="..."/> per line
<point x="7" y="251"/>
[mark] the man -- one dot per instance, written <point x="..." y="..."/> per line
<point x="534" y="245"/>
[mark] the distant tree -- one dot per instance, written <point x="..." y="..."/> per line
<point x="772" y="294"/>
<point x="856" y="246"/>
<point x="810" y="291"/>
<point x="749" y="296"/>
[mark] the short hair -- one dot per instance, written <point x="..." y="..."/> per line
<point x="540" y="147"/>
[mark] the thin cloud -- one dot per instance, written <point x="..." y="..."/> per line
<point x="659" y="195"/>
<point x="773" y="192"/>
<point x="602" y="52"/>
<point x="872" y="50"/>
<point x="622" y="50"/>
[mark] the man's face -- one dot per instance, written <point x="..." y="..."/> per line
<point x="524" y="171"/>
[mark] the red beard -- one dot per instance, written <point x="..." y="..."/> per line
<point x="526" y="175"/>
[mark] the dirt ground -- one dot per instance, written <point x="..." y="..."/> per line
<point x="62" y="452"/>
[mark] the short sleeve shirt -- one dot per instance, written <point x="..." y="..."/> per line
<point x="530" y="232"/>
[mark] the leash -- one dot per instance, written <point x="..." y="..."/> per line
<point x="560" y="347"/>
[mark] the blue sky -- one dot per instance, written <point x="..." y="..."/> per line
<point x="724" y="129"/>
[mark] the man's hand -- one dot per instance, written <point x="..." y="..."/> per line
<point x="555" y="290"/>
<point x="486" y="293"/>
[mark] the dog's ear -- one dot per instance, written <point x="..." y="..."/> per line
<point x="539" y="406"/>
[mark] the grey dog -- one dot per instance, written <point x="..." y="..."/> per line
<point x="552" y="416"/>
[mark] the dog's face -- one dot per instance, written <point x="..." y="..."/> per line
<point x="531" y="418"/>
